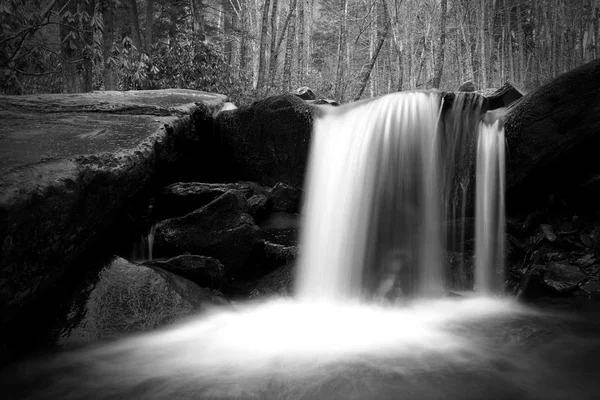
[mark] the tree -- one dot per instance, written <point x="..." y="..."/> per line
<point x="439" y="62"/>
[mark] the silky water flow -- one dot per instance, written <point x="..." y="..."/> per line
<point x="371" y="318"/>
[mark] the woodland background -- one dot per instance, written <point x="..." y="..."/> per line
<point x="342" y="49"/>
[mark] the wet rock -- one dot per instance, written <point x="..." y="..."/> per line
<point x="286" y="198"/>
<point x="203" y="271"/>
<point x="531" y="287"/>
<point x="279" y="282"/>
<point x="259" y="206"/>
<point x="222" y="229"/>
<point x="305" y="93"/>
<point x="280" y="228"/>
<point x="70" y="166"/>
<point x="562" y="278"/>
<point x="124" y="298"/>
<point x="548" y="232"/>
<point x="270" y="139"/>
<point x="183" y="197"/>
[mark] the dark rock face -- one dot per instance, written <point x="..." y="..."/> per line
<point x="203" y="271"/>
<point x="552" y="139"/>
<point x="270" y="139"/>
<point x="183" y="197"/>
<point x="125" y="298"/>
<point x="221" y="229"/>
<point x="286" y="198"/>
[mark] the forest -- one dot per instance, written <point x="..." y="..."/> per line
<point x="248" y="49"/>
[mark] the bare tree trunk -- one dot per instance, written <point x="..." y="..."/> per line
<point x="289" y="51"/>
<point x="381" y="40"/>
<point x="108" y="12"/>
<point x="273" y="50"/>
<point x="262" y="62"/>
<point x="149" y="23"/>
<point x="135" y="26"/>
<point x="482" y="54"/>
<point x="301" y="27"/>
<point x="342" y="39"/>
<point x="439" y="62"/>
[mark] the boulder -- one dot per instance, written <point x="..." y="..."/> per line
<point x="552" y="137"/>
<point x="222" y="229"/>
<point x="203" y="271"/>
<point x="124" y="297"/>
<point x="183" y="197"/>
<point x="267" y="256"/>
<point x="259" y="206"/>
<point x="562" y="278"/>
<point x="504" y="96"/>
<point x="279" y="282"/>
<point x="467" y="87"/>
<point x="269" y="139"/>
<point x="70" y="166"/>
<point x="286" y="198"/>
<point x="305" y="93"/>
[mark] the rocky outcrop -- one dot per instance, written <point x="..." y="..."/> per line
<point x="286" y="198"/>
<point x="183" y="197"/>
<point x="124" y="298"/>
<point x="222" y="229"/>
<point x="270" y="139"/>
<point x="69" y="167"/>
<point x="203" y="271"/>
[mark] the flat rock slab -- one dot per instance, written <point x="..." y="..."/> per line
<point x="68" y="165"/>
<point x="39" y="127"/>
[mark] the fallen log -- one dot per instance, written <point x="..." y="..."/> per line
<point x="553" y="135"/>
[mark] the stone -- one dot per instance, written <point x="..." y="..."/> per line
<point x="548" y="232"/>
<point x="203" y="271"/>
<point x="267" y="256"/>
<point x="504" y="96"/>
<point x="305" y="93"/>
<point x="183" y="197"/>
<point x="467" y="87"/>
<point x="124" y="298"/>
<point x="286" y="198"/>
<point x="562" y="278"/>
<point x="221" y="229"/>
<point x="259" y="206"/>
<point x="70" y="166"/>
<point x="278" y="283"/>
<point x="269" y="139"/>
<point x="326" y="102"/>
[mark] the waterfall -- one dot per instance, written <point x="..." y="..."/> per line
<point x="371" y="219"/>
<point x="489" y="240"/>
<point x="386" y="177"/>
<point x="143" y="245"/>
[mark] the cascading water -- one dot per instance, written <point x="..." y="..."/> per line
<point x="142" y="248"/>
<point x="372" y="210"/>
<point x="378" y="190"/>
<point x="489" y="239"/>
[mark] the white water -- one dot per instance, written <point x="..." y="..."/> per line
<point x="372" y="198"/>
<point x="489" y="213"/>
